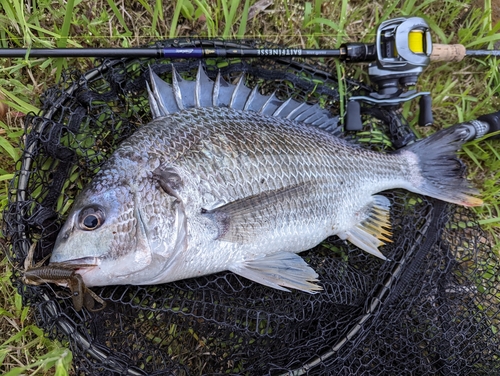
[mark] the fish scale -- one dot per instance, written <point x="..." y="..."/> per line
<point x="225" y="178"/>
<point x="270" y="141"/>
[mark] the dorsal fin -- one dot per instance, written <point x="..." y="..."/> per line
<point x="161" y="96"/>
<point x="203" y="92"/>
<point x="240" y="95"/>
<point x="222" y="92"/>
<point x="255" y="100"/>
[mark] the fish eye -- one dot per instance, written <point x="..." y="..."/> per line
<point x="91" y="218"/>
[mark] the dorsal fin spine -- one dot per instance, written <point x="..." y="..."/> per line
<point x="197" y="88"/>
<point x="216" y="90"/>
<point x="153" y="103"/>
<point x="278" y="111"/>
<point x="166" y="99"/>
<point x="176" y="88"/>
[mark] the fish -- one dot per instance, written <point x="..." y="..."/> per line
<point x="227" y="179"/>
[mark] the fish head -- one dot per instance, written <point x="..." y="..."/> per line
<point x="107" y="229"/>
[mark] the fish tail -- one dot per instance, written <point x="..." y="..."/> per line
<point x="438" y="171"/>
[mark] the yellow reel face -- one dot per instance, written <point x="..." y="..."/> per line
<point x="416" y="41"/>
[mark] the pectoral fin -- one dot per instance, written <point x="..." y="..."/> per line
<point x="241" y="220"/>
<point x="280" y="270"/>
<point x="373" y="228"/>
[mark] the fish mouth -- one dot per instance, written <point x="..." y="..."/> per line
<point x="79" y="263"/>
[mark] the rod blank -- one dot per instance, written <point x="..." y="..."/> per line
<point x="440" y="52"/>
<point x="172" y="53"/>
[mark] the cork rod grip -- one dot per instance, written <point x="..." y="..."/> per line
<point x="447" y="52"/>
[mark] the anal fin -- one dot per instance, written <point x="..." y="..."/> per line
<point x="374" y="227"/>
<point x="279" y="270"/>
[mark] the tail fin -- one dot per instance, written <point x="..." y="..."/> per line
<point x="441" y="172"/>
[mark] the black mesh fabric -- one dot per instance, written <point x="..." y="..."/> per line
<point x="433" y="309"/>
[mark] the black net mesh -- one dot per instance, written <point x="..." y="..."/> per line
<point x="432" y="310"/>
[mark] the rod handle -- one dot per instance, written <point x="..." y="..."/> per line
<point x="493" y="121"/>
<point x="447" y="52"/>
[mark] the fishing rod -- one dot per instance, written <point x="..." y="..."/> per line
<point x="350" y="52"/>
<point x="402" y="50"/>
<point x="169" y="52"/>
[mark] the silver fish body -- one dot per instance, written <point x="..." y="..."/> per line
<point x="206" y="189"/>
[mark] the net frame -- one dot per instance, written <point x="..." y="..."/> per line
<point x="363" y="296"/>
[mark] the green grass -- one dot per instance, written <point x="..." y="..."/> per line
<point x="24" y="349"/>
<point x="461" y="91"/>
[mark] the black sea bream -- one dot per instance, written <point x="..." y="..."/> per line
<point x="225" y="178"/>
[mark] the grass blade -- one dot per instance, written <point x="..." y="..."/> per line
<point x="119" y="16"/>
<point x="230" y="18"/>
<point x="63" y="37"/>
<point x="244" y="18"/>
<point x="18" y="104"/>
<point x="175" y="19"/>
<point x="7" y="147"/>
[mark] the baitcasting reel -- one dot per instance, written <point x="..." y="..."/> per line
<point x="401" y="52"/>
